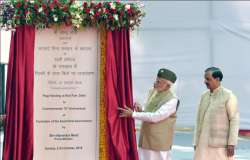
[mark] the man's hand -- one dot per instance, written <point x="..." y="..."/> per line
<point x="2" y="117"/>
<point x="125" y="112"/>
<point x="230" y="150"/>
<point x="137" y="107"/>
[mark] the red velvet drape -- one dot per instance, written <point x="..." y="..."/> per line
<point x="118" y="92"/>
<point x="18" y="141"/>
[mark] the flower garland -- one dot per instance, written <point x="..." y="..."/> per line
<point x="46" y="13"/>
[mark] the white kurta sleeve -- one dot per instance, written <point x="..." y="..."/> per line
<point x="162" y="113"/>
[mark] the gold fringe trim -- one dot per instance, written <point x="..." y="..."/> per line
<point x="103" y="150"/>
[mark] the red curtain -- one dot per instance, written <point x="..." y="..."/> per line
<point x="118" y="92"/>
<point x="18" y="141"/>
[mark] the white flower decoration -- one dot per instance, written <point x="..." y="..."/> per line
<point x="91" y="12"/>
<point x="78" y="16"/>
<point x="116" y="17"/>
<point x="55" y="18"/>
<point x="40" y="9"/>
<point x="113" y="5"/>
<point x="127" y="7"/>
<point x="131" y="21"/>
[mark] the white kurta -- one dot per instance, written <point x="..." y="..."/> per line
<point x="203" y="151"/>
<point x="162" y="113"/>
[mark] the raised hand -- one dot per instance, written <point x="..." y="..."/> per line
<point x="125" y="112"/>
<point x="2" y="117"/>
